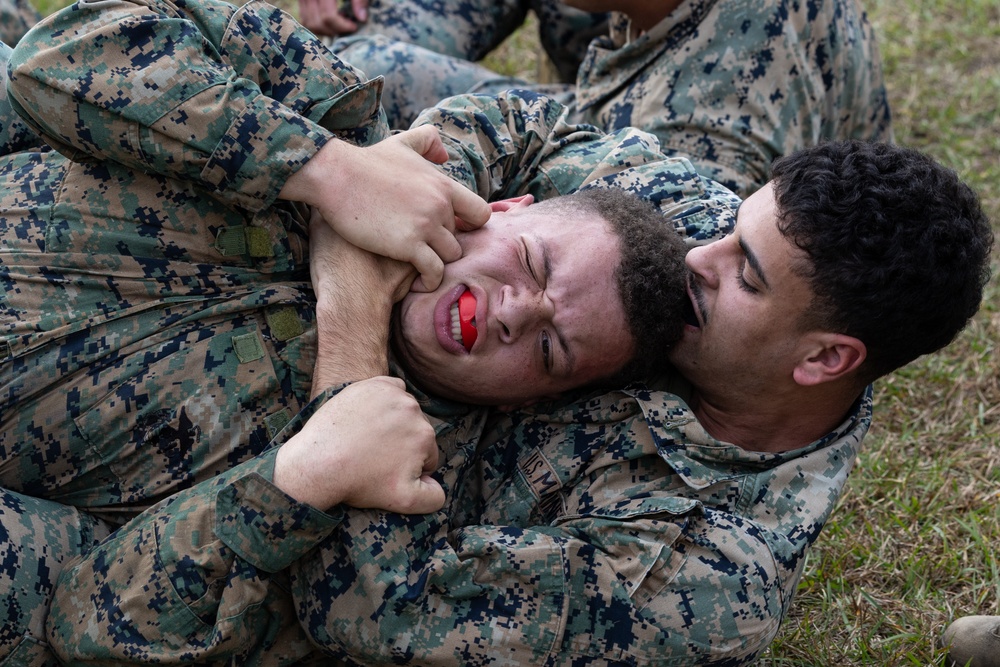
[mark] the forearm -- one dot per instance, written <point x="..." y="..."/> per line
<point x="200" y="577"/>
<point x="352" y="341"/>
<point x="234" y="100"/>
<point x="353" y="309"/>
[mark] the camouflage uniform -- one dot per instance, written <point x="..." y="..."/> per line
<point x="470" y="29"/>
<point x="605" y="531"/>
<point x="598" y="528"/>
<point x="16" y="17"/>
<point x="15" y="134"/>
<point x="731" y="84"/>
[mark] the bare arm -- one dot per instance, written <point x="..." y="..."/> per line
<point x="355" y="293"/>
<point x="325" y="17"/>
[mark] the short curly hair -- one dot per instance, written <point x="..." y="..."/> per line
<point x="650" y="277"/>
<point x="898" y="246"/>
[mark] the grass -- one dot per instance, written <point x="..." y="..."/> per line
<point x="913" y="542"/>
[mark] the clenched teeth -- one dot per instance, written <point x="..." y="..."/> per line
<point x="456" y="325"/>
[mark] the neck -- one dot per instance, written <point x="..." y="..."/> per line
<point x="647" y="14"/>
<point x="780" y="425"/>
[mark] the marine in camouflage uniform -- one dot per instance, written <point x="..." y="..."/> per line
<point x="603" y="528"/>
<point x="16" y="17"/>
<point x="730" y="84"/>
<point x="470" y="29"/>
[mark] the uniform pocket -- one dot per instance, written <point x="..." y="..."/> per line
<point x="183" y="409"/>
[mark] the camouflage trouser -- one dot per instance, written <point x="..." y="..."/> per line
<point x="729" y="84"/>
<point x="469" y="29"/>
<point x="36" y="538"/>
<point x="16" y="16"/>
<point x="426" y="50"/>
<point x="15" y="135"/>
<point x="407" y="93"/>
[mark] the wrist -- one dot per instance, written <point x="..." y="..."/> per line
<point x="320" y="173"/>
<point x="309" y="472"/>
<point x="351" y="346"/>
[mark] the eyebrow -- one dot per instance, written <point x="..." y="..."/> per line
<point x="753" y="262"/>
<point x="547" y="272"/>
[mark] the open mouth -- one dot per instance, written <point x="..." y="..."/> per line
<point x="463" y="320"/>
<point x="688" y="314"/>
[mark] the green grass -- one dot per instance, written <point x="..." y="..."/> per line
<point x="913" y="542"/>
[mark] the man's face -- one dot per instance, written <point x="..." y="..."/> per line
<point x="547" y="312"/>
<point x="749" y="305"/>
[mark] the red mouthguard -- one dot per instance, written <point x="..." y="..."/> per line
<point x="466" y="314"/>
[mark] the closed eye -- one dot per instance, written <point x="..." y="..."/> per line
<point x="744" y="285"/>
<point x="528" y="265"/>
<point x="546" y="351"/>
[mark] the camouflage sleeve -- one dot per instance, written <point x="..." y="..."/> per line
<point x="196" y="578"/>
<point x="191" y="578"/>
<point x="635" y="573"/>
<point x="546" y="596"/>
<point x="235" y="100"/>
<point x="521" y="142"/>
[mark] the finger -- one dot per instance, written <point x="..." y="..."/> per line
<point x="430" y="496"/>
<point x="419" y="286"/>
<point x="466" y="226"/>
<point x="463" y="226"/>
<point x="471" y="211"/>
<point x="308" y="14"/>
<point x="430" y="266"/>
<point x="426" y="141"/>
<point x="338" y="24"/>
<point x="360" y="9"/>
<point x="445" y="245"/>
<point x="433" y="454"/>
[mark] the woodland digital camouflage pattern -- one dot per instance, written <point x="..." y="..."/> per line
<point x="605" y="531"/>
<point x="157" y="329"/>
<point x="730" y="84"/>
<point x="16" y="16"/>
<point x="37" y="537"/>
<point x="470" y="29"/>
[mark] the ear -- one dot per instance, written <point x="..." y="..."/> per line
<point x="830" y="357"/>
<point x="505" y="205"/>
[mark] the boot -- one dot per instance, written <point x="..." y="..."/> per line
<point x="973" y="641"/>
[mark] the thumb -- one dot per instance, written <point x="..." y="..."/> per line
<point x="429" y="496"/>
<point x="426" y="141"/>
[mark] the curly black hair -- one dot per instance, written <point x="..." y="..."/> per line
<point x="898" y="246"/>
<point x="650" y="276"/>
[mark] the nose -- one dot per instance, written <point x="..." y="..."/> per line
<point x="703" y="262"/>
<point x="521" y="311"/>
